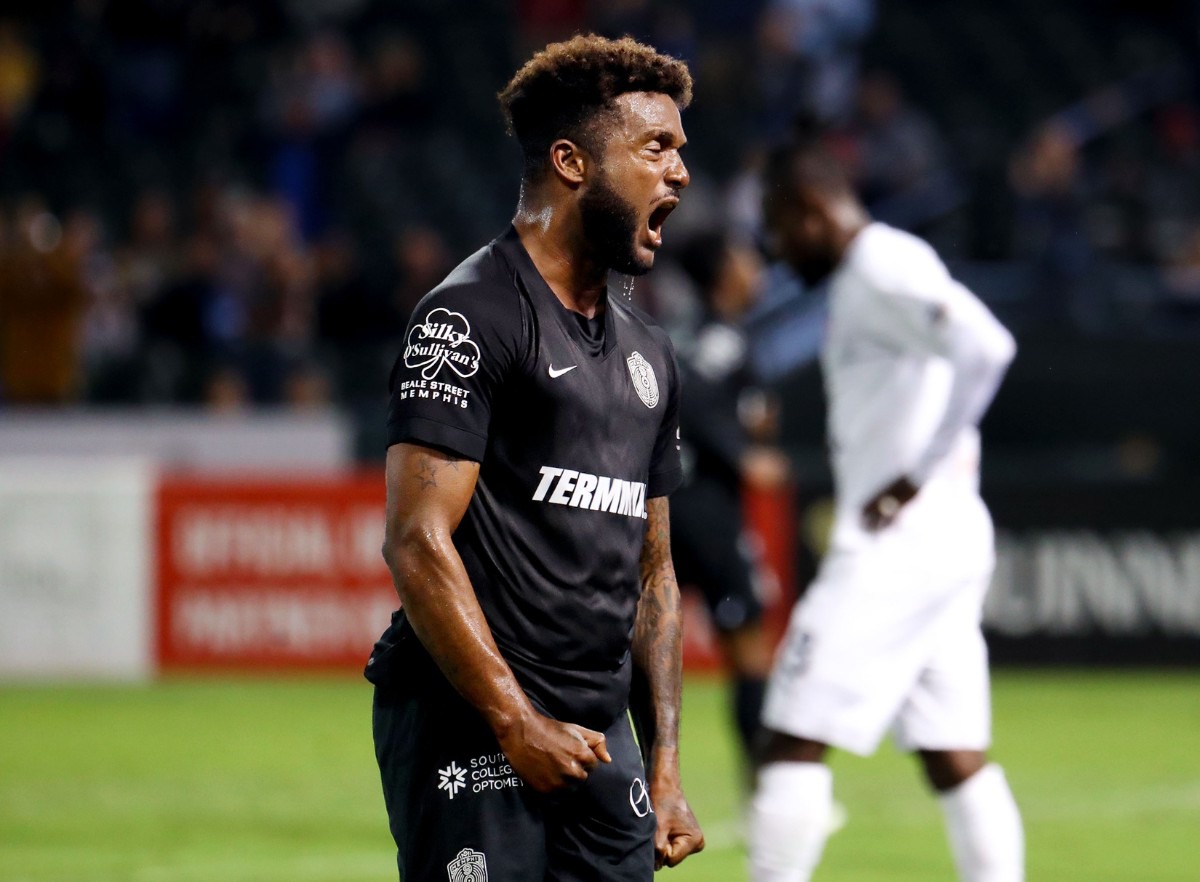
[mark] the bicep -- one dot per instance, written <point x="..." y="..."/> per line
<point x="427" y="490"/>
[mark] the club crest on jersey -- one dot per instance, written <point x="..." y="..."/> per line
<point x="443" y="339"/>
<point x="468" y="866"/>
<point x="644" y="382"/>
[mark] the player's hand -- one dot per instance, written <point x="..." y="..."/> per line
<point x="549" y="755"/>
<point x="678" y="833"/>
<point x="885" y="505"/>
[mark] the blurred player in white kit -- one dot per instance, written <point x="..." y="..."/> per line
<point x="888" y="636"/>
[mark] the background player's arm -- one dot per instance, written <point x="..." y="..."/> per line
<point x="658" y="665"/>
<point x="959" y="328"/>
<point x="979" y="349"/>
<point x="427" y="495"/>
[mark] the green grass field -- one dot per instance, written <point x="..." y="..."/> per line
<point x="236" y="780"/>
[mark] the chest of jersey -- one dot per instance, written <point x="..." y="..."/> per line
<point x="586" y="405"/>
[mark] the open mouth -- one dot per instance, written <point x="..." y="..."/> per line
<point x="658" y="217"/>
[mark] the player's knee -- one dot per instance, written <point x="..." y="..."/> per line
<point x="779" y="747"/>
<point x="947" y="769"/>
<point x="747" y="650"/>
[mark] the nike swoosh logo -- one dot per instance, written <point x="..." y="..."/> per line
<point x="554" y="374"/>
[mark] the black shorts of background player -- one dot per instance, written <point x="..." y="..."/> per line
<point x="533" y="432"/>
<point x="727" y="421"/>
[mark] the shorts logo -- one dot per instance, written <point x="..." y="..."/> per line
<point x="639" y="798"/>
<point x="444" y="338"/>
<point x="797" y="655"/>
<point x="644" y="383"/>
<point x="452" y="779"/>
<point x="469" y="866"/>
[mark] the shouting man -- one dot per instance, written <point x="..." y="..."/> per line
<point x="533" y="442"/>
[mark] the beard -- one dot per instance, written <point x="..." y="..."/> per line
<point x="610" y="226"/>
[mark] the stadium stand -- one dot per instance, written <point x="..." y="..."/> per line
<point x="238" y="203"/>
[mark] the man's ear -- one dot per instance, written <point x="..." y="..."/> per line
<point x="570" y="162"/>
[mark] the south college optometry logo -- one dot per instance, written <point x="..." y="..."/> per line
<point x="452" y="779"/>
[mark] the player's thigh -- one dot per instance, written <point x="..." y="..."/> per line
<point x="604" y="830"/>
<point x="949" y="706"/>
<point x="854" y="647"/>
<point x="456" y="808"/>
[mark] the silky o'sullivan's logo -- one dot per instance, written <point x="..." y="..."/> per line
<point x="442" y="340"/>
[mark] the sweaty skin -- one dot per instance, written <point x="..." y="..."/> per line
<point x="444" y="612"/>
<point x="641" y="162"/>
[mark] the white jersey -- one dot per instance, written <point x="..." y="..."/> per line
<point x="911" y="361"/>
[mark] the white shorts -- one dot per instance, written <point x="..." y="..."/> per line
<point x="887" y="636"/>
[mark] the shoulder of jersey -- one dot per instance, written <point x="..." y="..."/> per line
<point x="893" y="260"/>
<point x="480" y="274"/>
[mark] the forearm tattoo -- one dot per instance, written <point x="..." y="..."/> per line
<point x="658" y="628"/>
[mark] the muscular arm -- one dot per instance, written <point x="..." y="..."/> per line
<point x="427" y="495"/>
<point x="658" y="662"/>
<point x="658" y="642"/>
<point x="960" y="329"/>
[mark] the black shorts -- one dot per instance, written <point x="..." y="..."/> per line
<point x="459" y="813"/>
<point x="713" y="551"/>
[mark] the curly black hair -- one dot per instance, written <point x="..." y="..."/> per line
<point x="565" y="89"/>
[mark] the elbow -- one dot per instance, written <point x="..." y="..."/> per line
<point x="393" y="548"/>
<point x="993" y="348"/>
<point x="389" y="554"/>
<point x="1001" y="350"/>
<point x="404" y="552"/>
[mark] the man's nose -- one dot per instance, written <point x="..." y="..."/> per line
<point x="677" y="175"/>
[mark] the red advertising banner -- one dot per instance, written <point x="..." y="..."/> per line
<point x="277" y="573"/>
<point x="270" y="573"/>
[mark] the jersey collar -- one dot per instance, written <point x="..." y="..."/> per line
<point x="510" y="247"/>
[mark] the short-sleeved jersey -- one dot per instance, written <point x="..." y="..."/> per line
<point x="571" y="438"/>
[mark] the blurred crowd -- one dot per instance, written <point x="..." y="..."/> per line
<point x="238" y="202"/>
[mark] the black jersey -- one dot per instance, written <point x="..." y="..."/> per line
<point x="574" y="430"/>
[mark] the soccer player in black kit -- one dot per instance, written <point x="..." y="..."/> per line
<point x="533" y="432"/>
